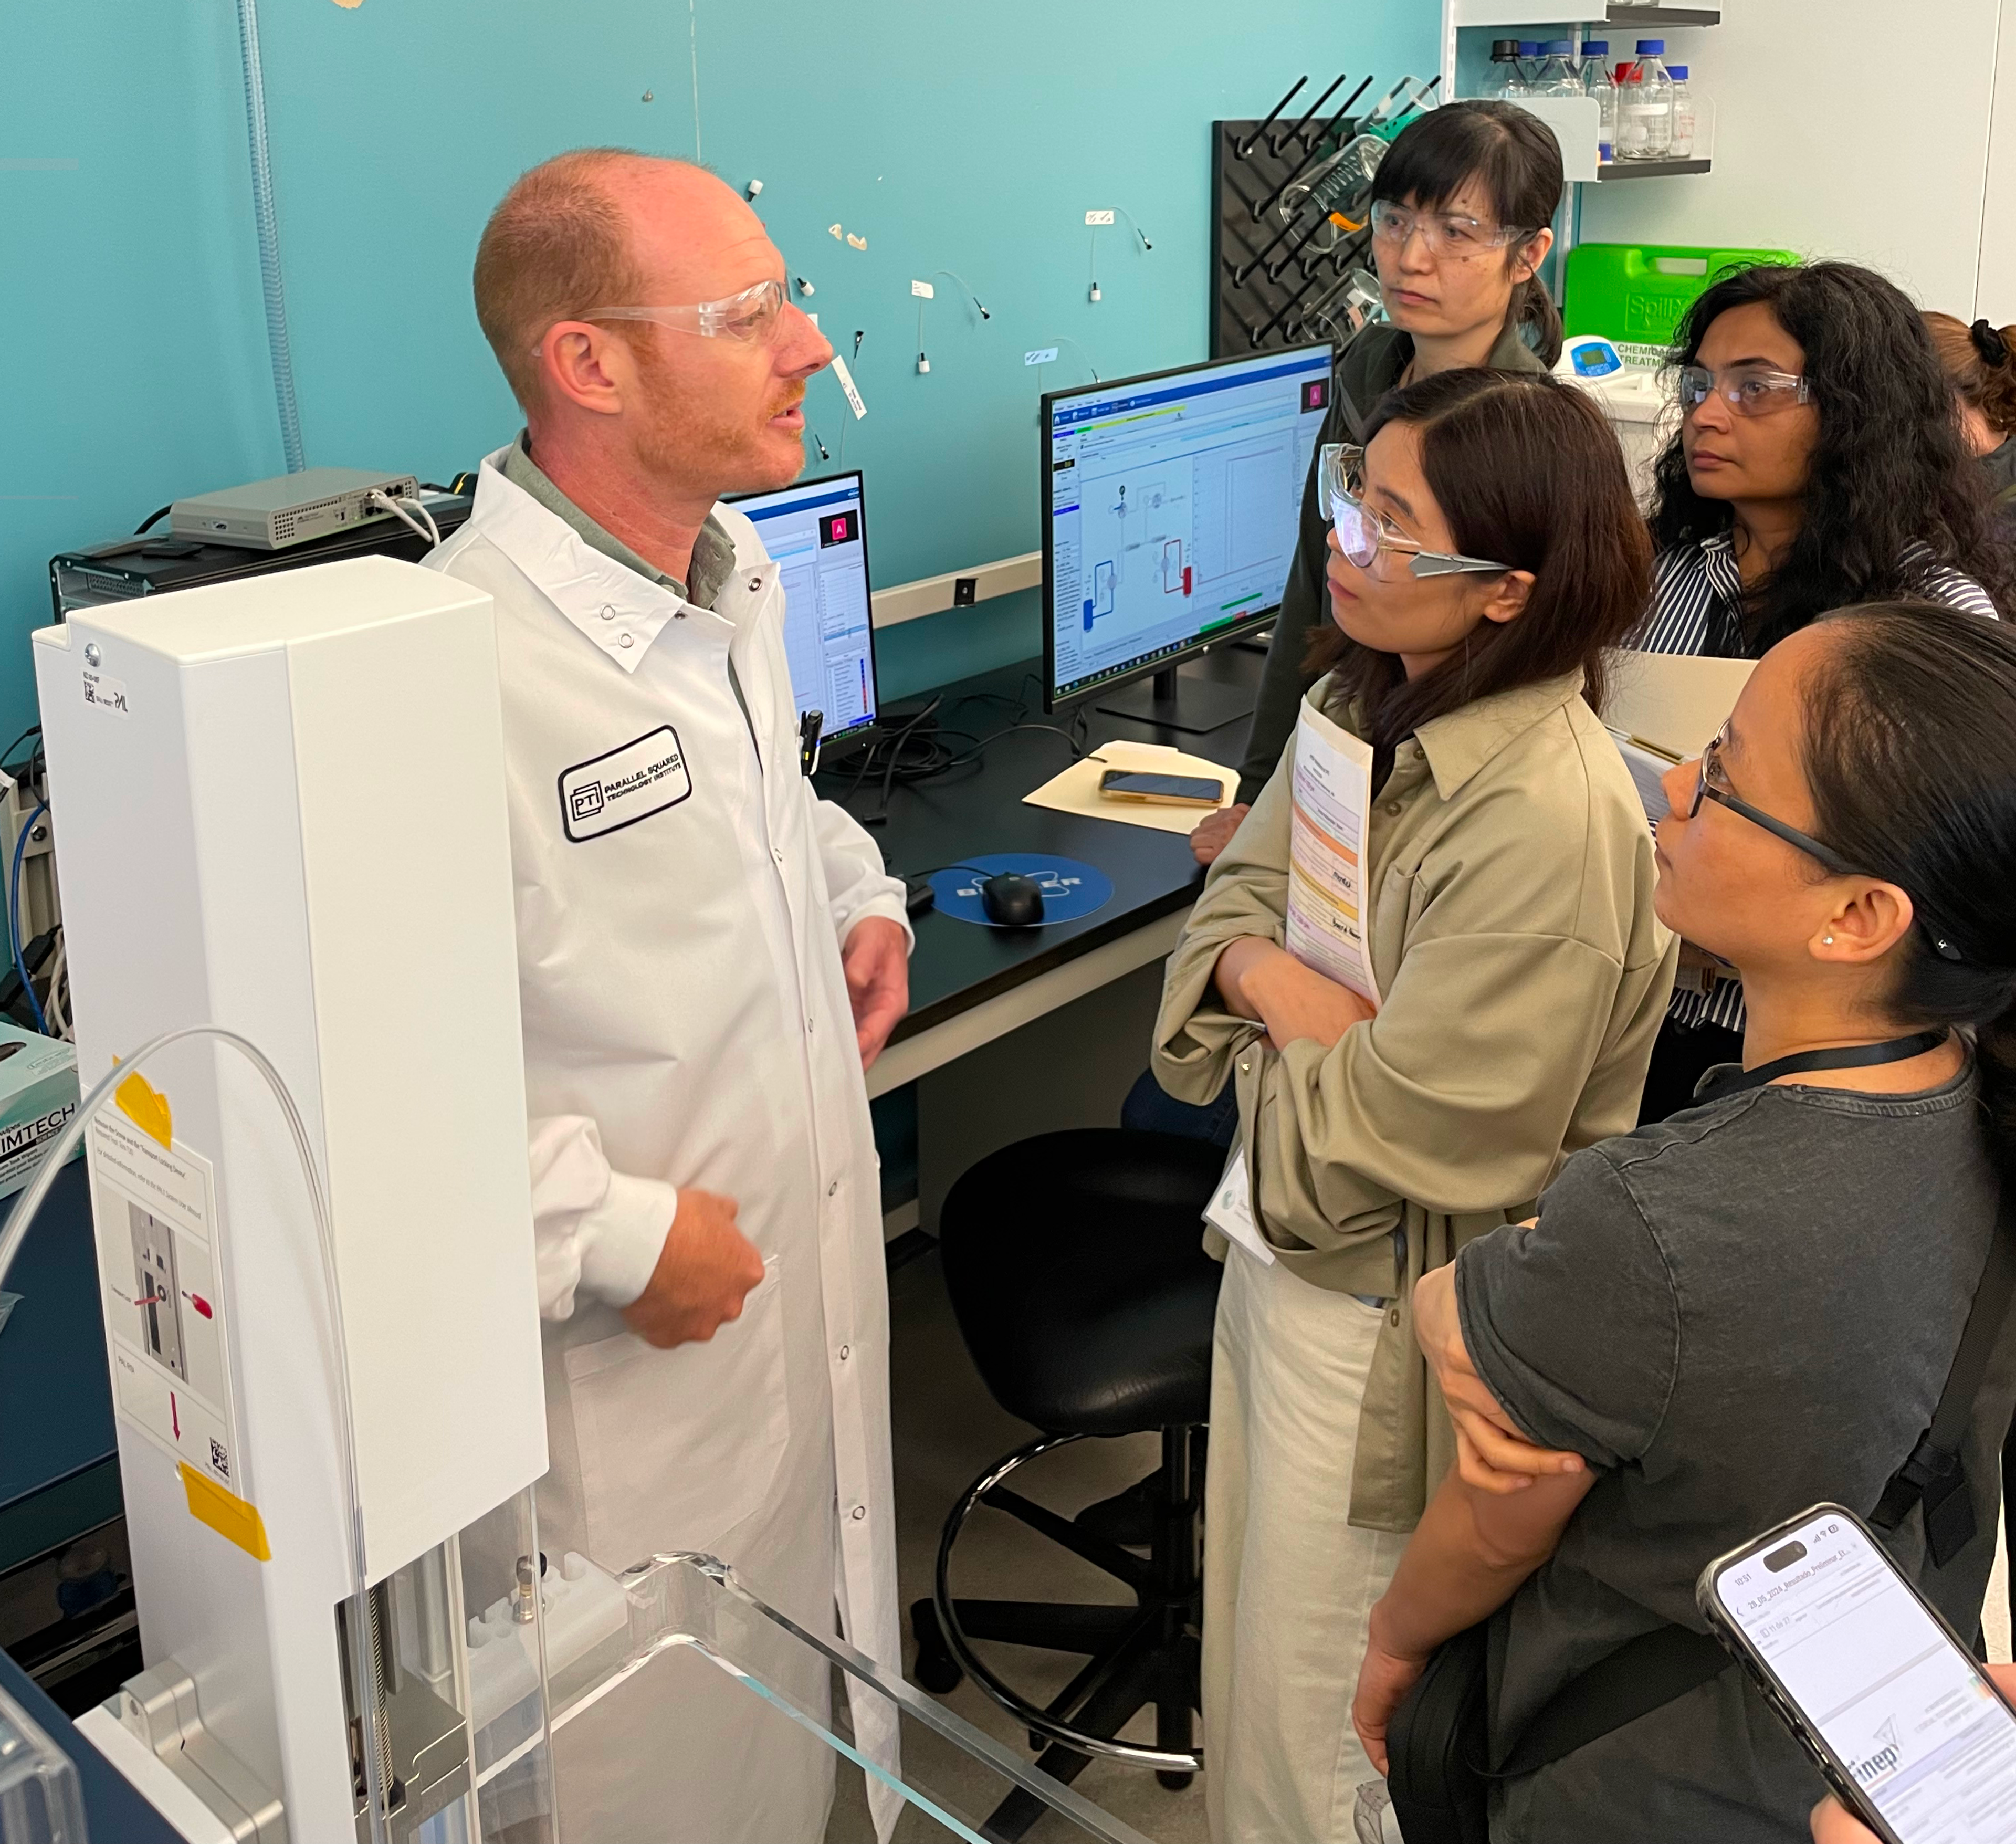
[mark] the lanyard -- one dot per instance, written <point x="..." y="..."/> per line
<point x="1892" y="1050"/>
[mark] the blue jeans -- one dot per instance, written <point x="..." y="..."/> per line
<point x="1149" y="1109"/>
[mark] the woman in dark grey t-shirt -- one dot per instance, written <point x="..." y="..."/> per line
<point x="1720" y="1319"/>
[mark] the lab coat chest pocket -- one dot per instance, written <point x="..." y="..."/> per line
<point x="677" y="1447"/>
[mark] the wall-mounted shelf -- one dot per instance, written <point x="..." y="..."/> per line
<point x="1619" y="15"/>
<point x="1650" y="169"/>
<point x="1546" y="13"/>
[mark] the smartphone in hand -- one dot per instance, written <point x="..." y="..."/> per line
<point x="1910" y="1734"/>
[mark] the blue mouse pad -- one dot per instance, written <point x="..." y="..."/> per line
<point x="1069" y="889"/>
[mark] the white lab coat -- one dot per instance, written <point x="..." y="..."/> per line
<point x="681" y="907"/>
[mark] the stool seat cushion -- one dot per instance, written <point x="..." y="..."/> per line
<point x="1077" y="1272"/>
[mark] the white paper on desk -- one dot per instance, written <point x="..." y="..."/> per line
<point x="1230" y="1210"/>
<point x="1332" y="791"/>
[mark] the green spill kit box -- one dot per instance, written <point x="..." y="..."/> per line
<point x="1633" y="294"/>
<point x="37" y="1097"/>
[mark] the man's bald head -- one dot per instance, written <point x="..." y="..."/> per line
<point x="561" y="244"/>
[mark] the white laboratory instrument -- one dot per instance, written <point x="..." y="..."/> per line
<point x="282" y="849"/>
<point x="1632" y="396"/>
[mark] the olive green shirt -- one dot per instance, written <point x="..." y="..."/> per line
<point x="1509" y="894"/>
<point x="1372" y="365"/>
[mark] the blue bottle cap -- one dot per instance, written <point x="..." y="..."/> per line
<point x="1596" y="48"/>
<point x="1677" y="72"/>
<point x="1529" y="48"/>
<point x="1562" y="47"/>
<point x="1651" y="48"/>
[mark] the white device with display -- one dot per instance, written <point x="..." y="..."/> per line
<point x="1891" y="1707"/>
<point x="1633" y="397"/>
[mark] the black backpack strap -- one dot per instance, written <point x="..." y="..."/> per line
<point x="1643" y="1675"/>
<point x="1933" y="1476"/>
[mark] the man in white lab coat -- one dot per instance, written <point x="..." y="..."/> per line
<point x="709" y="956"/>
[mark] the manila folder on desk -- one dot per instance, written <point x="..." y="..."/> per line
<point x="1675" y="702"/>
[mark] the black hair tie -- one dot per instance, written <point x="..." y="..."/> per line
<point x="1989" y="344"/>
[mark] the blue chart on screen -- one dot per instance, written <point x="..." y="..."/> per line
<point x="1070" y="889"/>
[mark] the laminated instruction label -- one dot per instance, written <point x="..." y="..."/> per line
<point x="1332" y="792"/>
<point x="155" y="1208"/>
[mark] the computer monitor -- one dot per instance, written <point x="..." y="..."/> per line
<point x="1171" y="504"/>
<point x="817" y="534"/>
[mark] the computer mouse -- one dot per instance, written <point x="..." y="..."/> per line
<point x="1012" y="900"/>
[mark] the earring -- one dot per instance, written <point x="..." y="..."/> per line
<point x="1827" y="940"/>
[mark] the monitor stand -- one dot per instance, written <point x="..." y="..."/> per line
<point x="1179" y="700"/>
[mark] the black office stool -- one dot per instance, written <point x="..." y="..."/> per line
<point x="1076" y="1272"/>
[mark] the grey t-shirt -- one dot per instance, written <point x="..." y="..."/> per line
<point x="1733" y="1315"/>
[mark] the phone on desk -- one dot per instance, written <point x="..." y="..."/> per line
<point x="1175" y="790"/>
<point x="1909" y="1731"/>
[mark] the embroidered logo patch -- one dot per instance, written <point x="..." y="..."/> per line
<point x="609" y="792"/>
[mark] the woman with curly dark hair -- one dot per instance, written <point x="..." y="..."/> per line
<point x="1817" y="464"/>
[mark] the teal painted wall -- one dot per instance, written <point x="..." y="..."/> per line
<point x="968" y="137"/>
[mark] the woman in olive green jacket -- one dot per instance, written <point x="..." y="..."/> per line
<point x="1486" y="552"/>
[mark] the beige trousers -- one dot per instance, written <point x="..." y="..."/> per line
<point x="1288" y="1582"/>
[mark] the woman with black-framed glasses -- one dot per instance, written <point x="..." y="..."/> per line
<point x="1718" y="1320"/>
<point x="1816" y="464"/>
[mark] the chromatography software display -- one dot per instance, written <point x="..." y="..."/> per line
<point x="1175" y="505"/>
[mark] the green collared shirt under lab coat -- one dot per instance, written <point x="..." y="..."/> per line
<point x="1523" y="976"/>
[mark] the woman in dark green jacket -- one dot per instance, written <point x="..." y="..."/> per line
<point x="1461" y="205"/>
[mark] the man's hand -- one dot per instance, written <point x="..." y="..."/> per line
<point x="1491" y="1454"/>
<point x="877" y="962"/>
<point x="1383" y="1681"/>
<point x="1294" y="1001"/>
<point x="1214" y="831"/>
<point x="706" y="1270"/>
<point x="1831" y="1823"/>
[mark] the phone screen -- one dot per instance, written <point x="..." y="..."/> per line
<point x="1168" y="788"/>
<point x="1902" y="1708"/>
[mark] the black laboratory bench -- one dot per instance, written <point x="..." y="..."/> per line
<point x="978" y="809"/>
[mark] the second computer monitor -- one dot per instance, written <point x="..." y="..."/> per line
<point x="1172" y="507"/>
<point x="816" y="532"/>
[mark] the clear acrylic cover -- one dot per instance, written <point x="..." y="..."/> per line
<point x="40" y="1800"/>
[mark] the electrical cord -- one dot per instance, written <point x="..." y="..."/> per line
<point x="14" y="919"/>
<point x="152" y="520"/>
<point x="905" y="757"/>
<point x="430" y="531"/>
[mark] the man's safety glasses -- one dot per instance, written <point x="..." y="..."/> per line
<point x="753" y="316"/>
<point x="1443" y="233"/>
<point x="1363" y="534"/>
<point x="1749" y="390"/>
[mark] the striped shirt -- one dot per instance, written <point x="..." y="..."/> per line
<point x="1697" y="608"/>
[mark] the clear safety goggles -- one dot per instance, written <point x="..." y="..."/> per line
<point x="1749" y="390"/>
<point x="1443" y="233"/>
<point x="1363" y="534"/>
<point x="754" y="316"/>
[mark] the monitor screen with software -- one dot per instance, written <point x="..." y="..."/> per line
<point x="1171" y="504"/>
<point x="816" y="532"/>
